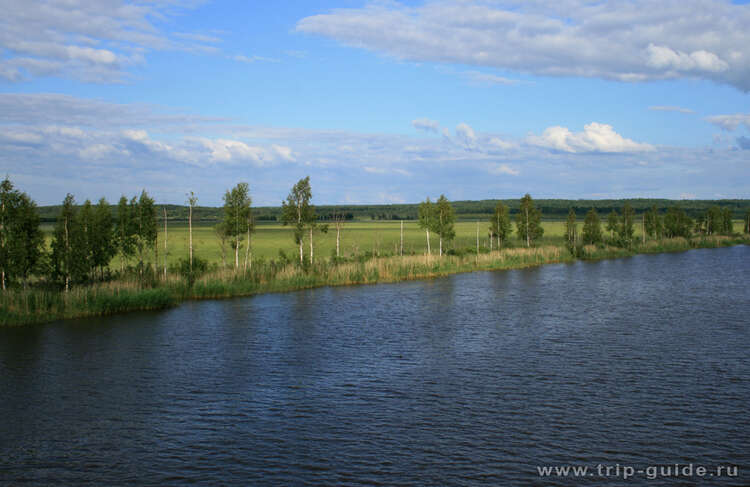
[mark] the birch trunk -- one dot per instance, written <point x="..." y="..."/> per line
<point x="311" y="246"/>
<point x="401" y="251"/>
<point x="165" y="244"/>
<point x="428" y="241"/>
<point x="247" y="250"/>
<point x="190" y="236"/>
<point x="338" y="237"/>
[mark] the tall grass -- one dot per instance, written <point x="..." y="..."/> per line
<point x="34" y="305"/>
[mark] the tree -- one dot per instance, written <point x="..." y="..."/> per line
<point x="571" y="229"/>
<point x="297" y="211"/>
<point x="427" y="219"/>
<point x="146" y="228"/>
<point x="500" y="226"/>
<point x="528" y="221"/>
<point x="102" y="237"/>
<point x="444" y="219"/>
<point x="192" y="200"/>
<point x="67" y="244"/>
<point x="221" y="235"/>
<point x="21" y="239"/>
<point x="338" y="222"/>
<point x="237" y="214"/>
<point x="747" y="222"/>
<point x="625" y="230"/>
<point x="613" y="223"/>
<point x="677" y="223"/>
<point x="125" y="230"/>
<point x="85" y="220"/>
<point x="592" y="228"/>
<point x="728" y="225"/>
<point x="652" y="223"/>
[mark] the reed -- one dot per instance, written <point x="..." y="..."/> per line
<point x="20" y="307"/>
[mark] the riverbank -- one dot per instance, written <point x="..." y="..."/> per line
<point x="35" y="306"/>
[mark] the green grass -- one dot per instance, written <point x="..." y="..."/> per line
<point x="370" y="251"/>
<point x="357" y="238"/>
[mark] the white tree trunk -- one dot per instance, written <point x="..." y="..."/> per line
<point x="441" y="246"/>
<point x="190" y="235"/>
<point x="428" y="241"/>
<point x="165" y="244"/>
<point x="401" y="251"/>
<point x="528" y="233"/>
<point x="237" y="253"/>
<point x="311" y="245"/>
<point x="338" y="237"/>
<point x="247" y="249"/>
<point x="301" y="253"/>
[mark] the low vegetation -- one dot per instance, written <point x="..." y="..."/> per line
<point x="96" y="262"/>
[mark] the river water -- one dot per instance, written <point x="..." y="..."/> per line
<point x="472" y="379"/>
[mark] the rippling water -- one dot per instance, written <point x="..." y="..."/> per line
<point x="473" y="379"/>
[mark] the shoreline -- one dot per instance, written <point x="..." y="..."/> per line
<point x="29" y="307"/>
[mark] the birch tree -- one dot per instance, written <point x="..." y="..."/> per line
<point x="592" y="228"/>
<point x="443" y="220"/>
<point x="192" y="200"/>
<point x="297" y="212"/>
<point x="571" y="229"/>
<point x="427" y="219"/>
<point x="528" y="221"/>
<point x="237" y="214"/>
<point x="500" y="226"/>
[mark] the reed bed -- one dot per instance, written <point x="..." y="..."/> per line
<point x="21" y="307"/>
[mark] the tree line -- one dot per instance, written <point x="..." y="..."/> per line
<point x="87" y="238"/>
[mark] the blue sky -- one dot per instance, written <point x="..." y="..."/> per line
<point x="378" y="102"/>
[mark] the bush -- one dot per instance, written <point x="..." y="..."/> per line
<point x="200" y="266"/>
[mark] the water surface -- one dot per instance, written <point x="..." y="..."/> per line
<point x="472" y="379"/>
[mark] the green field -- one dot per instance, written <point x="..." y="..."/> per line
<point x="357" y="238"/>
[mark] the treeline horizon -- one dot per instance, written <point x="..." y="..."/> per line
<point x="552" y="209"/>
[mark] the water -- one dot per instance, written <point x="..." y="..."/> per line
<point x="474" y="379"/>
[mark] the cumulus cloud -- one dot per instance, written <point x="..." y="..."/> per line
<point x="466" y="135"/>
<point x="730" y="122"/>
<point x="426" y="124"/>
<point x="502" y="169"/>
<point x="596" y="137"/>
<point x="140" y="147"/>
<point x="487" y="78"/>
<point x="669" y="108"/>
<point x="628" y="41"/>
<point x="89" y="40"/>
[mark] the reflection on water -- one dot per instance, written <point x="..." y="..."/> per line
<point x="466" y="380"/>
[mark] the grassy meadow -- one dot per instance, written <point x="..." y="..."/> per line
<point x="375" y="238"/>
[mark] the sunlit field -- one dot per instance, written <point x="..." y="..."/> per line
<point x="379" y="238"/>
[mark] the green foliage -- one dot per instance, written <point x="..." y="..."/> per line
<point x="237" y="216"/>
<point x="190" y="273"/>
<point x="500" y="226"/>
<point x="571" y="229"/>
<point x="144" y="212"/>
<point x="21" y="239"/>
<point x="443" y="220"/>
<point x="125" y="230"/>
<point x="102" y="237"/>
<point x="528" y="221"/>
<point x="677" y="223"/>
<point x="613" y="223"/>
<point x="592" y="228"/>
<point x="625" y="230"/>
<point x="70" y="262"/>
<point x="652" y="223"/>
<point x="746" y="228"/>
<point x="298" y="212"/>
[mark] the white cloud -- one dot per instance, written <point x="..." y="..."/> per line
<point x="596" y="137"/>
<point x="667" y="108"/>
<point x="631" y="41"/>
<point x="425" y="124"/>
<point x="479" y="77"/>
<point x="465" y="135"/>
<point x="501" y="169"/>
<point x="88" y="40"/>
<point x="730" y="122"/>
<point x="253" y="59"/>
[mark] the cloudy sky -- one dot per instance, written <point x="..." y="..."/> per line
<point x="377" y="101"/>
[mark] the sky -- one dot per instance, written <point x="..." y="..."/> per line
<point x="377" y="101"/>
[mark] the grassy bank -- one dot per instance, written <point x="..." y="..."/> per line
<point x="36" y="306"/>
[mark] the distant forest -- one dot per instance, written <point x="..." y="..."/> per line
<point x="552" y="209"/>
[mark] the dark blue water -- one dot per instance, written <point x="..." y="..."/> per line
<point x="474" y="379"/>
